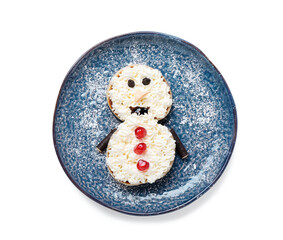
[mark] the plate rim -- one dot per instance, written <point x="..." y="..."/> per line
<point x="230" y="149"/>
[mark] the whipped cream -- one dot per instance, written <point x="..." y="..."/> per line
<point x="121" y="159"/>
<point x="158" y="98"/>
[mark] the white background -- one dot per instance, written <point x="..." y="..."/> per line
<point x="40" y="40"/>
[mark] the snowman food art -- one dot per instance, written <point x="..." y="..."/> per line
<point x="140" y="150"/>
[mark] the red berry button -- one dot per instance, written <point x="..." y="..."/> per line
<point x="140" y="148"/>
<point x="142" y="165"/>
<point x="140" y="132"/>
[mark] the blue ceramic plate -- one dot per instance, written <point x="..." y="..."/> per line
<point x="203" y="115"/>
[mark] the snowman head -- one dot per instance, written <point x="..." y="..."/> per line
<point x="139" y="89"/>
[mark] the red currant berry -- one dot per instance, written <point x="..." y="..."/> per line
<point x="140" y="148"/>
<point x="142" y="165"/>
<point x="140" y="132"/>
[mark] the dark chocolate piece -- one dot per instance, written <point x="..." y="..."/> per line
<point x="179" y="145"/>
<point x="103" y="144"/>
<point x="146" y="81"/>
<point x="139" y="110"/>
<point x="131" y="83"/>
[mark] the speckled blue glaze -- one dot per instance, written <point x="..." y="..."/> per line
<point x="203" y="115"/>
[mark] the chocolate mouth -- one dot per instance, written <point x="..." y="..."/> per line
<point x="139" y="110"/>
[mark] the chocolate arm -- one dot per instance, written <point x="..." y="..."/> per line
<point x="179" y="145"/>
<point x="103" y="144"/>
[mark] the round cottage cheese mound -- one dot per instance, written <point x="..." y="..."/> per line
<point x="120" y="96"/>
<point x="122" y="161"/>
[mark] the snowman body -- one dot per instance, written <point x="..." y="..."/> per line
<point x="160" y="151"/>
<point x="139" y="96"/>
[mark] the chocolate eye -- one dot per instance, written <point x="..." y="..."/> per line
<point x="131" y="83"/>
<point x="146" y="81"/>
